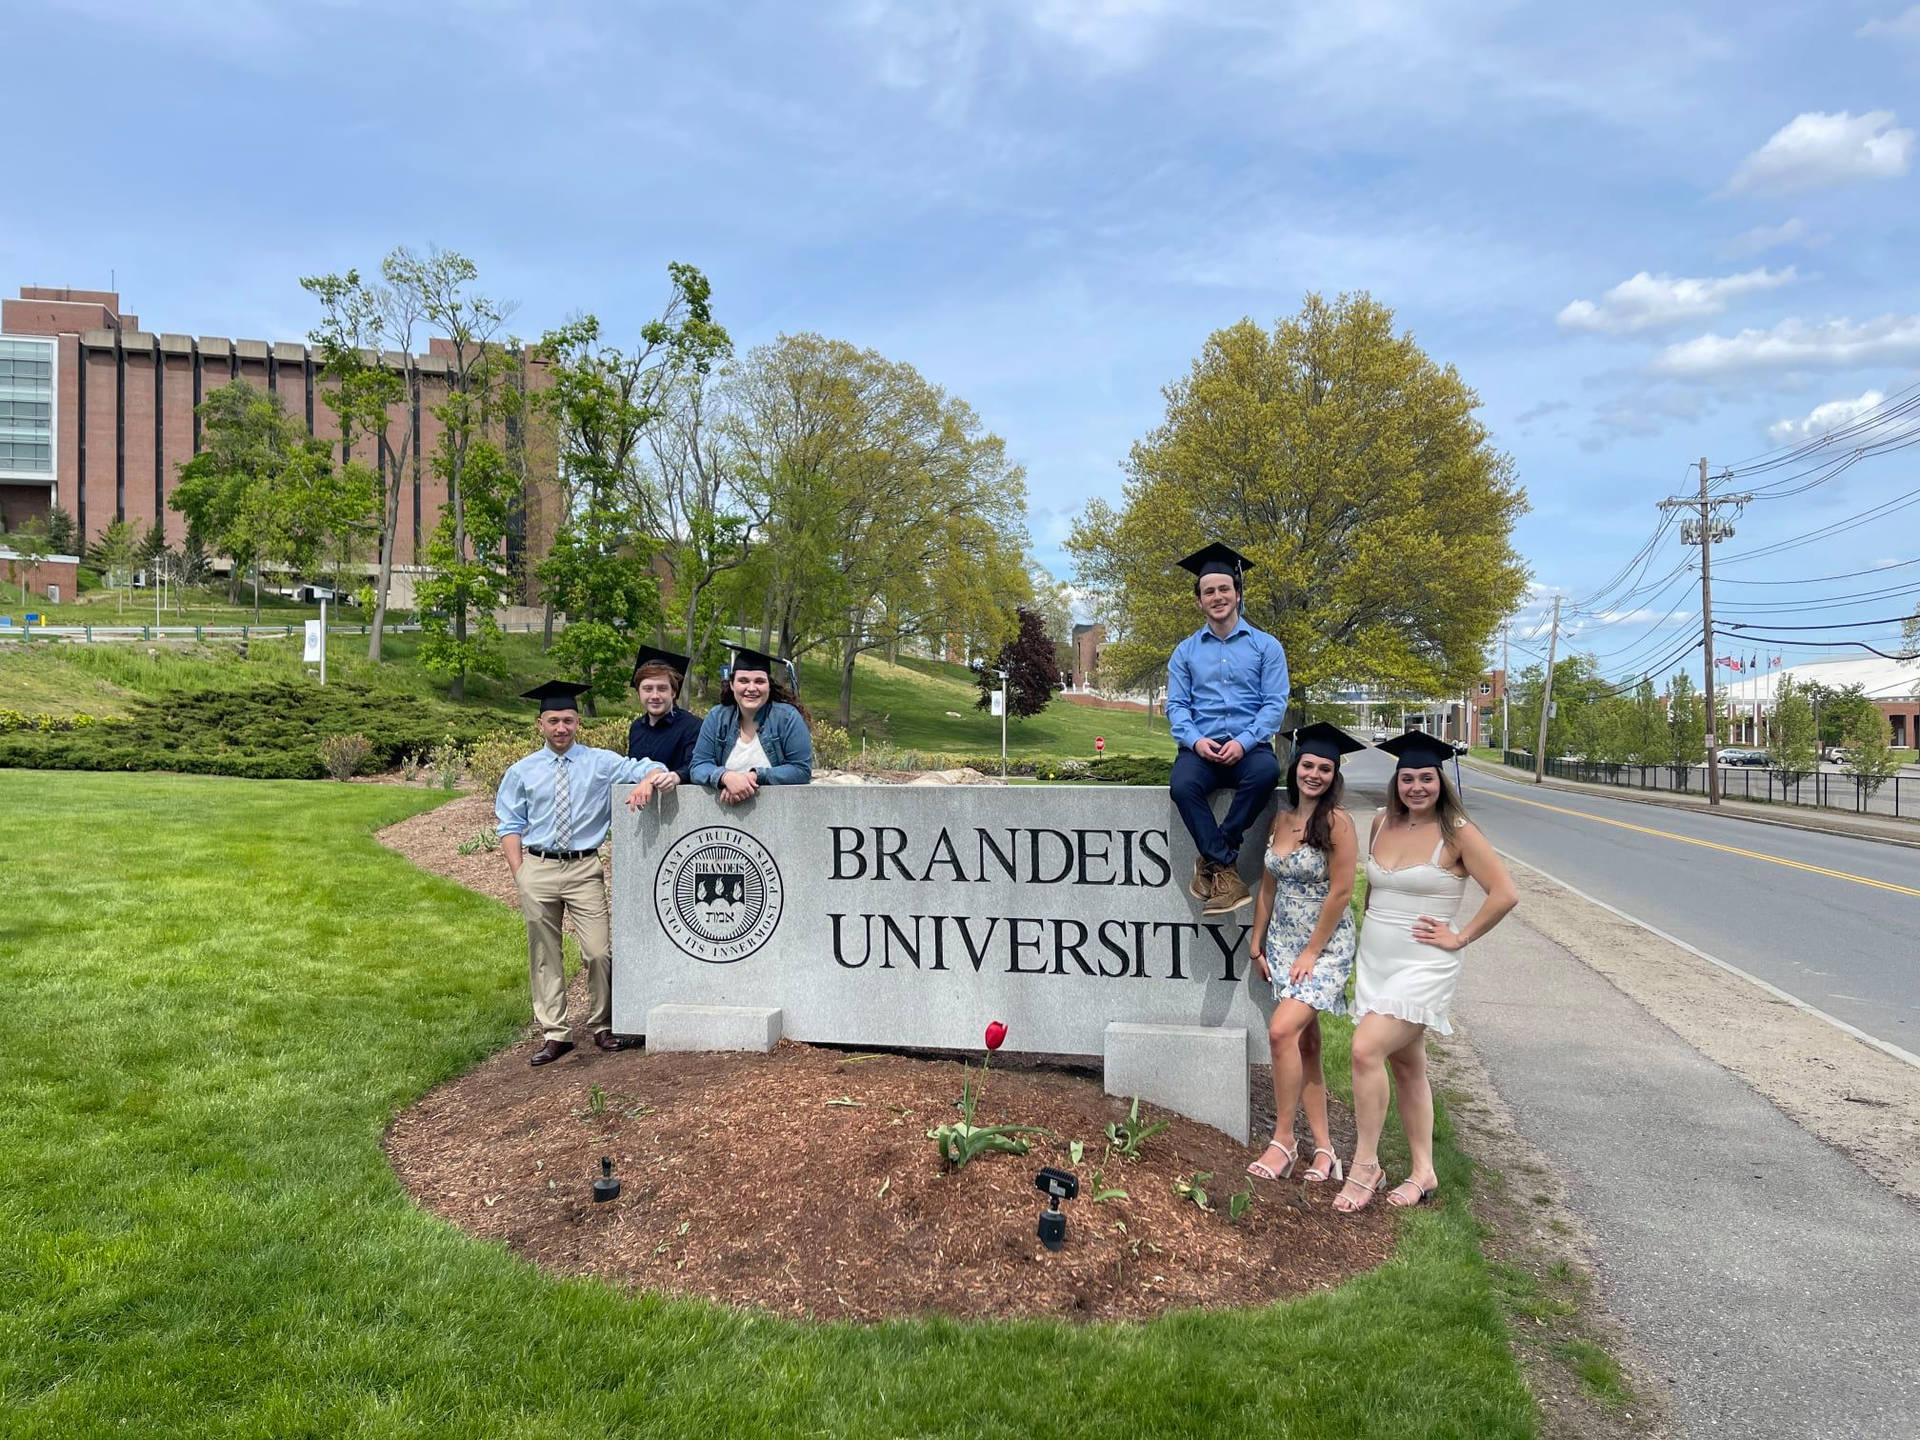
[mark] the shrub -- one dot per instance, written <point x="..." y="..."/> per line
<point x="832" y="746"/>
<point x="343" y="755"/>
<point x="489" y="759"/>
<point x="271" y="731"/>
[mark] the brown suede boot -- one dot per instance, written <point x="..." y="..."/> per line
<point x="1201" y="886"/>
<point x="1229" y="892"/>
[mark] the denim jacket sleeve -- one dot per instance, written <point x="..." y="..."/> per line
<point x="710" y="750"/>
<point x="789" y="747"/>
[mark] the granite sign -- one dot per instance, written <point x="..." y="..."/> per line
<point x="907" y="915"/>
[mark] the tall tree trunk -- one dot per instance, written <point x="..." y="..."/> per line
<point x="766" y="621"/>
<point x="846" y="685"/>
<point x="389" y="537"/>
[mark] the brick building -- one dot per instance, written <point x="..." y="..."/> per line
<point x="97" y="415"/>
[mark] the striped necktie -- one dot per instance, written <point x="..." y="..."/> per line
<point x="562" y="807"/>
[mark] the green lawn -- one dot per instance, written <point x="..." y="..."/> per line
<point x="220" y="992"/>
<point x="907" y="706"/>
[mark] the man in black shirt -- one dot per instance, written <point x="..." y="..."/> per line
<point x="665" y="732"/>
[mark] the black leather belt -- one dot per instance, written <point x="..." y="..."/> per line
<point x="558" y="854"/>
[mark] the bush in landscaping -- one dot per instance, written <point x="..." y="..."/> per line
<point x="832" y="746"/>
<point x="271" y="732"/>
<point x="343" y="755"/>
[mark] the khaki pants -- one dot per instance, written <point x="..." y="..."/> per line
<point x="549" y="889"/>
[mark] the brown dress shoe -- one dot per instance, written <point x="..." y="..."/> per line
<point x="607" y="1040"/>
<point x="1201" y="886"/>
<point x="550" y="1052"/>
<point x="1229" y="892"/>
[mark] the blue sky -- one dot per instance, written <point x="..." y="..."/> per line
<point x="1642" y="234"/>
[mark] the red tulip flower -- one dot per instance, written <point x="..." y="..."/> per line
<point x="996" y="1035"/>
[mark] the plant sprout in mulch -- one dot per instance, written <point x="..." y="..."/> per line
<point x="802" y="1182"/>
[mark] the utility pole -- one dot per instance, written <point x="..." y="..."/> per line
<point x="1704" y="530"/>
<point x="1546" y="698"/>
<point x="1506" y="687"/>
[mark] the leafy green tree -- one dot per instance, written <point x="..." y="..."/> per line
<point x="1867" y="752"/>
<point x="1351" y="469"/>
<point x="885" y="510"/>
<point x="30" y="547"/>
<point x="1686" y="722"/>
<point x="113" y="555"/>
<point x="1791" y="736"/>
<point x="469" y="576"/>
<point x="1649" y="743"/>
<point x="1577" y="685"/>
<point x="261" y="490"/>
<point x="1033" y="671"/>
<point x="605" y="404"/>
<point x="362" y="323"/>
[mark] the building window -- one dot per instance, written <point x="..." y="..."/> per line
<point x="26" y="409"/>
<point x="1486" y="687"/>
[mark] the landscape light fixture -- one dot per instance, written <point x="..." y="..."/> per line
<point x="1059" y="1185"/>
<point x="606" y="1187"/>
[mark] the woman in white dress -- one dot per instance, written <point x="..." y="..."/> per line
<point x="1422" y="850"/>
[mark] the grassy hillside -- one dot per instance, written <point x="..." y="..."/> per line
<point x="920" y="705"/>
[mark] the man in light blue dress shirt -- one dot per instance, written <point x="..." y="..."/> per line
<point x="555" y="808"/>
<point x="1226" y="696"/>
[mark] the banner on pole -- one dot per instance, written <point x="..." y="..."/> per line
<point x="997" y="704"/>
<point x="316" y="644"/>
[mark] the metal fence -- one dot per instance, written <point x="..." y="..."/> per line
<point x="185" y="631"/>
<point x="1829" y="790"/>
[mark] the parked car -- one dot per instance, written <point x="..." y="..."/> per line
<point x="1832" y="754"/>
<point x="1758" y="759"/>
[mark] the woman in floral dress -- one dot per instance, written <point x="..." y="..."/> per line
<point x="1303" y="942"/>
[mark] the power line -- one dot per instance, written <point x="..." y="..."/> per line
<point x="1821" y="579"/>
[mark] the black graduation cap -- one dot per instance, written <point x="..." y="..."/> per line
<point x="653" y="655"/>
<point x="556" y="695"/>
<point x="745" y="657"/>
<point x="1417" y="750"/>
<point x="1329" y="742"/>
<point x="1217" y="559"/>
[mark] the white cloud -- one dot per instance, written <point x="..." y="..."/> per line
<point x="1816" y="148"/>
<point x="1904" y="26"/>
<point x="1116" y="33"/>
<point x="1797" y="345"/>
<point x="1648" y="302"/>
<point x="1830" y="416"/>
<point x="1763" y="238"/>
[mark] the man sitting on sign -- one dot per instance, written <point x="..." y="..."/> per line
<point x="1226" y="696"/>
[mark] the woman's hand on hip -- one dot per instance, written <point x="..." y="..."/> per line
<point x="1437" y="933"/>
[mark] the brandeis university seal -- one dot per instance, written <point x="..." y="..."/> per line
<point x="718" y="894"/>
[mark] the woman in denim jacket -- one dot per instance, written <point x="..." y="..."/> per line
<point x="756" y="735"/>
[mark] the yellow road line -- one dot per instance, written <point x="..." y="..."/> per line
<point x="1709" y="844"/>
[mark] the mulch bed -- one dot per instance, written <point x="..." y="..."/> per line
<point x="802" y="1182"/>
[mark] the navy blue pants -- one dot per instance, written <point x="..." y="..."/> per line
<point x="1252" y="781"/>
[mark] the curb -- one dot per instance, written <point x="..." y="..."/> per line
<point x="1634" y="796"/>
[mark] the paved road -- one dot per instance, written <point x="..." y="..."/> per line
<point x="1831" y="920"/>
<point x="1769" y="1280"/>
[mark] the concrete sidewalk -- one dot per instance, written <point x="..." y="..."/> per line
<point x="1770" y="1281"/>
<point x="1793" y="817"/>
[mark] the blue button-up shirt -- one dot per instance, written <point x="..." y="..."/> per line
<point x="1231" y="689"/>
<point x="524" y="801"/>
